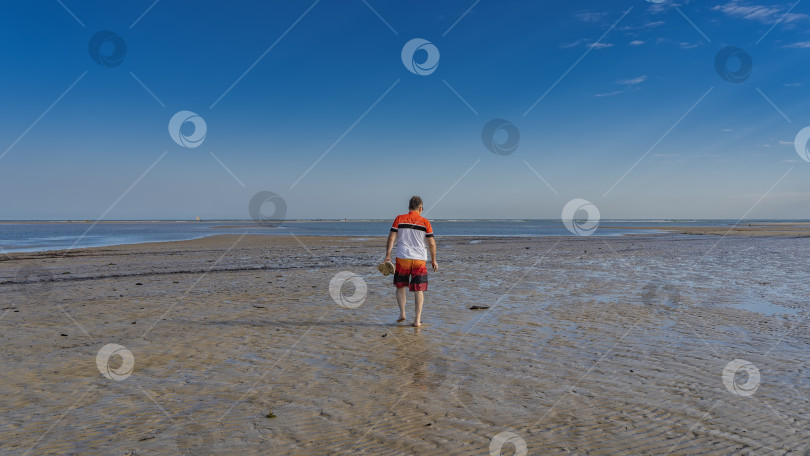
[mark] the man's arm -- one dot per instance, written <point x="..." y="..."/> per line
<point x="432" y="249"/>
<point x="392" y="236"/>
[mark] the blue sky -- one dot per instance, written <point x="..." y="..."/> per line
<point x="618" y="103"/>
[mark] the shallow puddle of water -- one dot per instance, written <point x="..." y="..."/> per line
<point x="764" y="307"/>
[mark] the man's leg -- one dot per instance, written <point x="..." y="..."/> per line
<point x="419" y="298"/>
<point x="402" y="296"/>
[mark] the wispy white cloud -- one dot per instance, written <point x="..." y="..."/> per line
<point x="793" y="84"/>
<point x="632" y="81"/>
<point x="681" y="44"/>
<point x="586" y="43"/>
<point x="591" y="17"/>
<point x="636" y="43"/>
<point x="800" y="45"/>
<point x="785" y="143"/>
<point x="609" y="94"/>
<point x="644" y="26"/>
<point x="663" y="7"/>
<point x="761" y="13"/>
<point x="629" y="84"/>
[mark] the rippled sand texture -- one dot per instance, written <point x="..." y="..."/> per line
<point x="592" y="346"/>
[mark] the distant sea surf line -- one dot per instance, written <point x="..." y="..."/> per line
<point x="30" y="236"/>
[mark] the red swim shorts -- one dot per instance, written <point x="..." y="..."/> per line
<point x="411" y="273"/>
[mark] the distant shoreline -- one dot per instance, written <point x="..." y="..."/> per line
<point x="37" y="236"/>
<point x="782" y="230"/>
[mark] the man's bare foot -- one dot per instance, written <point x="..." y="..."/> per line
<point x="401" y="319"/>
<point x="417" y="324"/>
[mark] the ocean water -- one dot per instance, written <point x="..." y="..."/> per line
<point x="38" y="236"/>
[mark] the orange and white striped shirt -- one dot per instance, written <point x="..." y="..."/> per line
<point x="412" y="229"/>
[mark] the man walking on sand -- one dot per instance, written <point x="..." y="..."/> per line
<point x="415" y="238"/>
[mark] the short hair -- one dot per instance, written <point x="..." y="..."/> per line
<point x="414" y="203"/>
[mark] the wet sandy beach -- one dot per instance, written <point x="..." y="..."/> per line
<point x="597" y="346"/>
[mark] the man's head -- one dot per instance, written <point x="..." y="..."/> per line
<point x="415" y="204"/>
